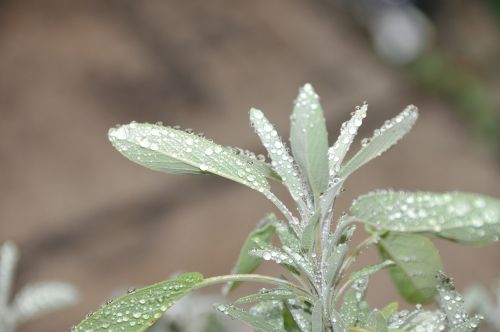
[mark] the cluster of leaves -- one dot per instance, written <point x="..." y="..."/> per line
<point x="321" y="292"/>
<point x="34" y="299"/>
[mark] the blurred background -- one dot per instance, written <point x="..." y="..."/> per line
<point x="82" y="213"/>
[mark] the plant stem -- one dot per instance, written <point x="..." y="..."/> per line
<point x="254" y="278"/>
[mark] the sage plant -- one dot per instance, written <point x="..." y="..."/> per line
<point x="319" y="291"/>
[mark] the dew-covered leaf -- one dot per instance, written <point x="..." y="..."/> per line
<point x="462" y="217"/>
<point x="310" y="231"/>
<point x="353" y="309"/>
<point x="417" y="262"/>
<point x="348" y="131"/>
<point x="287" y="236"/>
<point x="309" y="139"/>
<point x="383" y="139"/>
<point x="258" y="323"/>
<point x="369" y="270"/>
<point x="376" y="322"/>
<point x="42" y="297"/>
<point x="138" y="310"/>
<point x="282" y="162"/>
<point x="289" y="322"/>
<point x="317" y="317"/>
<point x="300" y="313"/>
<point x="273" y="294"/>
<point x="452" y="304"/>
<point x="175" y="151"/>
<point x="417" y="321"/>
<point x="246" y="262"/>
<point x="270" y="311"/>
<point x="337" y="322"/>
<point x="334" y="263"/>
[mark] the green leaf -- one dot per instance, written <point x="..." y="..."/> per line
<point x="256" y="322"/>
<point x="270" y="311"/>
<point x="317" y="317"/>
<point x="282" y="162"/>
<point x="334" y="263"/>
<point x="310" y="231"/>
<point x="462" y="217"/>
<point x="269" y="295"/>
<point x="338" y="323"/>
<point x="452" y="304"/>
<point x="369" y="270"/>
<point x="389" y="309"/>
<point x="289" y="322"/>
<point x="348" y="131"/>
<point x="301" y="314"/>
<point x="175" y="151"/>
<point x="416" y="262"/>
<point x="383" y="139"/>
<point x="349" y="310"/>
<point x="248" y="263"/>
<point x="376" y="322"/>
<point x="309" y="139"/>
<point x="139" y="310"/>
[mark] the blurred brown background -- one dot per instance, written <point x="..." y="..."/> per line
<point x="82" y="213"/>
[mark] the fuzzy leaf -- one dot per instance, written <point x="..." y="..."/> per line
<point x="334" y="263"/>
<point x="462" y="217"/>
<point x="139" y="310"/>
<point x="452" y="304"/>
<point x="309" y="139"/>
<point x="376" y="322"/>
<point x="175" y="151"/>
<point x="39" y="298"/>
<point x="282" y="162"/>
<point x="256" y="322"/>
<point x="248" y="263"/>
<point x="416" y="262"/>
<point x="268" y="295"/>
<point x="369" y="270"/>
<point x="310" y="231"/>
<point x="270" y="311"/>
<point x="348" y="131"/>
<point x="383" y="139"/>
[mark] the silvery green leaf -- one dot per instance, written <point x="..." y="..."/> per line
<point x="268" y="295"/>
<point x="376" y="322"/>
<point x="289" y="322"/>
<point x="310" y="231"/>
<point x="139" y="310"/>
<point x="270" y="311"/>
<point x="462" y="217"/>
<point x="383" y="139"/>
<point x="317" y="317"/>
<point x="348" y="131"/>
<point x="301" y="315"/>
<point x="478" y="299"/>
<point x="416" y="262"/>
<point x="353" y="310"/>
<point x="309" y="139"/>
<point x="258" y="323"/>
<point x="452" y="304"/>
<point x="287" y="236"/>
<point x="337" y="322"/>
<point x="175" y="151"/>
<point x="417" y="320"/>
<point x="248" y="263"/>
<point x="9" y="256"/>
<point x="369" y="270"/>
<point x="43" y="297"/>
<point x="334" y="263"/>
<point x="282" y="162"/>
<point x="389" y="309"/>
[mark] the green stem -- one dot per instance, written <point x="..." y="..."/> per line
<point x="254" y="278"/>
